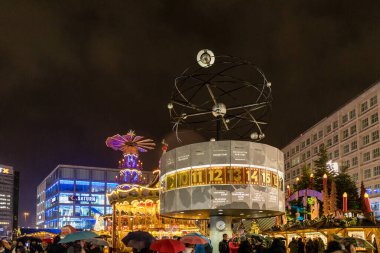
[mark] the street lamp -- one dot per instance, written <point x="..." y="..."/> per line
<point x="26" y="214"/>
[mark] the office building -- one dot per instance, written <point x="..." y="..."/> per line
<point x="351" y="137"/>
<point x="72" y="195"/>
<point x="9" y="185"/>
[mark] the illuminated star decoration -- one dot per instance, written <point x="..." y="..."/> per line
<point x="130" y="143"/>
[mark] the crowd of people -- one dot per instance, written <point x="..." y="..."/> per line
<point x="300" y="245"/>
<point x="34" y="246"/>
<point x="244" y="244"/>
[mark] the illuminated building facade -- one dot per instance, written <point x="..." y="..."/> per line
<point x="9" y="185"/>
<point x="73" y="195"/>
<point x="351" y="136"/>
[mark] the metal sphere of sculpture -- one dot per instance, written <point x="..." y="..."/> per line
<point x="221" y="96"/>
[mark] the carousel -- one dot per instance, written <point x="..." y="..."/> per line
<point x="137" y="206"/>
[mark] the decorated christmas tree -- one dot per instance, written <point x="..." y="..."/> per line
<point x="333" y="197"/>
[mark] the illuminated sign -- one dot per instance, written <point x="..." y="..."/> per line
<point x="220" y="175"/>
<point x="5" y="170"/>
<point x="82" y="198"/>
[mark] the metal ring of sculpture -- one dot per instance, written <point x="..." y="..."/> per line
<point x="221" y="96"/>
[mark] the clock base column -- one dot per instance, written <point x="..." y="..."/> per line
<point x="216" y="234"/>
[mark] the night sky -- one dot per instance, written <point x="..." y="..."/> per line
<point x="75" y="72"/>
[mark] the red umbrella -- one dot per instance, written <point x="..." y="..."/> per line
<point x="193" y="239"/>
<point x="167" y="246"/>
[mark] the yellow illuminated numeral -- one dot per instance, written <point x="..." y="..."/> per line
<point x="183" y="179"/>
<point x="170" y="182"/>
<point x="263" y="177"/>
<point x="196" y="176"/>
<point x="237" y="175"/>
<point x="274" y="180"/>
<point x="254" y="176"/>
<point x="268" y="178"/>
<point x="216" y="175"/>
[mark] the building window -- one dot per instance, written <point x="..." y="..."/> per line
<point x="367" y="173"/>
<point x="373" y="101"/>
<point x="66" y="210"/>
<point x="328" y="129"/>
<point x="111" y="187"/>
<point x="329" y="142"/>
<point x="298" y="171"/>
<point x="368" y="189"/>
<point x="375" y="135"/>
<point x="354" y="145"/>
<point x="344" y="118"/>
<point x="336" y="153"/>
<point x="355" y="177"/>
<point x="346" y="164"/>
<point x="364" y="107"/>
<point x="353" y="129"/>
<point x="66" y="185"/>
<point x="335" y="139"/>
<point x="352" y="114"/>
<point x="82" y="186"/>
<point x="297" y="148"/>
<point x="335" y="124"/>
<point x="308" y="154"/>
<point x="365" y="139"/>
<point x="376" y="153"/>
<point x="303" y="157"/>
<point x="320" y="134"/>
<point x="308" y="142"/>
<point x="366" y="156"/>
<point x="98" y="187"/>
<point x="97" y="210"/>
<point x="354" y="161"/>
<point x="330" y="156"/>
<point x="374" y="118"/>
<point x="302" y="145"/>
<point x="345" y="134"/>
<point x="315" y="150"/>
<point x="376" y="189"/>
<point x="376" y="171"/>
<point x="82" y="211"/>
<point x="346" y="149"/>
<point x="364" y="123"/>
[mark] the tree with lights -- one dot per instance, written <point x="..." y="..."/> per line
<point x="345" y="183"/>
<point x="333" y="198"/>
<point x="321" y="168"/>
<point x="303" y="182"/>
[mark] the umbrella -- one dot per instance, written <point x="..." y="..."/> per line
<point x="358" y="242"/>
<point x="167" y="246"/>
<point x="199" y="234"/>
<point x="193" y="239"/>
<point x="138" y="239"/>
<point x="68" y="229"/>
<point x="97" y="241"/>
<point x="77" y="236"/>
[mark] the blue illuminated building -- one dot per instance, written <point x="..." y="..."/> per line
<point x="73" y="195"/>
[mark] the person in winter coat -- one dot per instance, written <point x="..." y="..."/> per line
<point x="223" y="245"/>
<point x="277" y="246"/>
<point x="244" y="246"/>
<point x="293" y="245"/>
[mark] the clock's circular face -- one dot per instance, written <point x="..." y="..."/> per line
<point x="220" y="225"/>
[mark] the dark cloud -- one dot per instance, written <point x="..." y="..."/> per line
<point x="74" y="72"/>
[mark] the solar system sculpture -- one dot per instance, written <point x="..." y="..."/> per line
<point x="226" y="99"/>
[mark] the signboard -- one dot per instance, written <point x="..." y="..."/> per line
<point x="82" y="198"/>
<point x="5" y="170"/>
